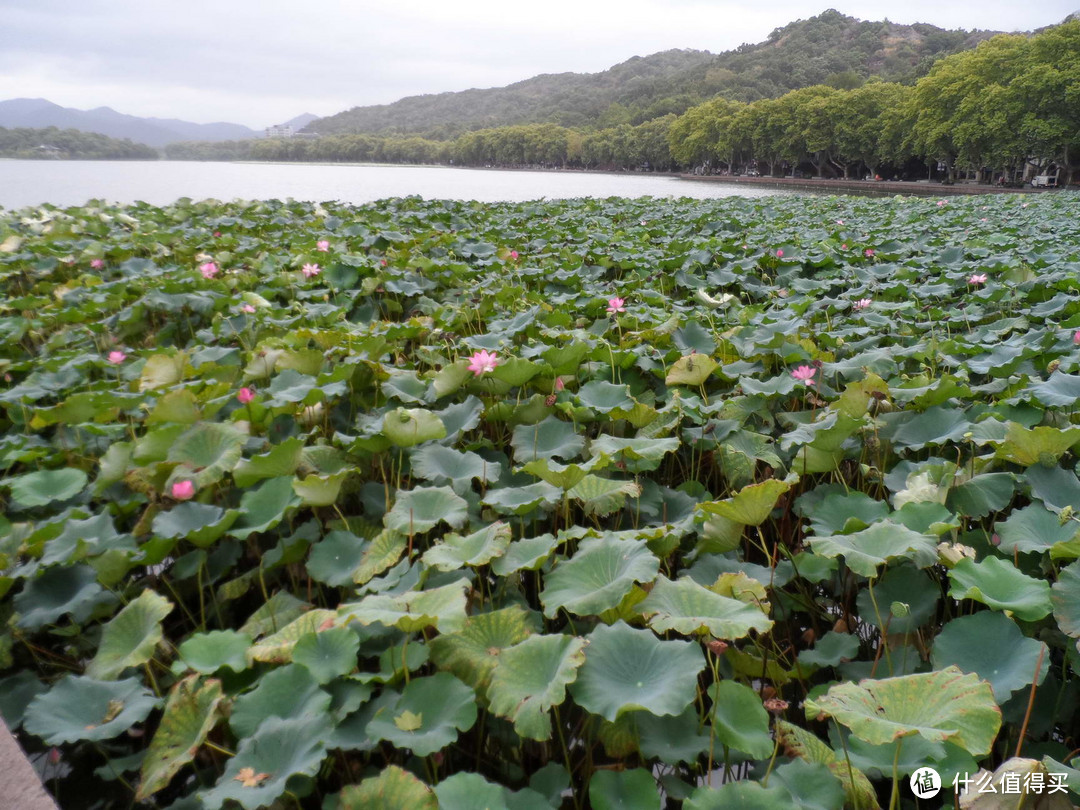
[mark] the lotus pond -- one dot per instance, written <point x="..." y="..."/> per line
<point x="576" y="504"/>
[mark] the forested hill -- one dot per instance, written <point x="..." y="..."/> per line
<point x="828" y="49"/>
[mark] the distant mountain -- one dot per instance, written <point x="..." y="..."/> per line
<point x="301" y="121"/>
<point x="830" y="48"/>
<point x="156" y="132"/>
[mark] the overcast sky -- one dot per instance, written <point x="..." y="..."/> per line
<point x="259" y="62"/>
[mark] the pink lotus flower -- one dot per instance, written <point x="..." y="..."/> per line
<point x="862" y="303"/>
<point x="217" y="234"/>
<point x="1076" y="337"/>
<point x="560" y="385"/>
<point x="483" y="361"/>
<point x="868" y="252"/>
<point x="248" y="308"/>
<point x="97" y="264"/>
<point x="322" y="245"/>
<point x="839" y="222"/>
<point x="805" y="374"/>
<point x="245" y="395"/>
<point x="780" y="254"/>
<point x="513" y="255"/>
<point x="182" y="490"/>
<point x="209" y="270"/>
<point x="844" y="246"/>
<point x="616" y="304"/>
<point x="940" y="203"/>
<point x="977" y="278"/>
<point x="310" y="270"/>
<point x="117" y="357"/>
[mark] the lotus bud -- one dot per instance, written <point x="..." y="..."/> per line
<point x="1053" y="366"/>
<point x="1066" y="515"/>
<point x="949" y="554"/>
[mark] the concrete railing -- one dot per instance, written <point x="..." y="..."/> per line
<point x="20" y="788"/>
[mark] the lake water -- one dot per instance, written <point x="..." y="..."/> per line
<point x="73" y="182"/>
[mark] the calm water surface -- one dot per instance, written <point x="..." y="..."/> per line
<point x="73" y="182"/>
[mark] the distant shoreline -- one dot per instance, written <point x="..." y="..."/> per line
<point x="874" y="187"/>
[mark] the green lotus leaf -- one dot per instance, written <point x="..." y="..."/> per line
<point x="692" y="369"/>
<point x="936" y="425"/>
<point x="1039" y="445"/>
<point x="940" y="706"/>
<point x="319" y="490"/>
<point x="831" y="649"/>
<point x="623" y="790"/>
<point x="451" y="378"/>
<point x="1061" y="390"/>
<point x="531" y="677"/>
<point x="598" y="576"/>
<point x="602" y="396"/>
<point x="515" y="371"/>
<point x="406" y="427"/>
<point x="442" y="608"/>
<point x="845" y="513"/>
<point x="526" y="554"/>
<point x="277" y="612"/>
<point x="434" y="462"/>
<point x="406" y="386"/>
<point x="162" y="371"/>
<point x="982" y="494"/>
<point x="335" y="558"/>
<point x="206" y="451"/>
<point x="380" y="555"/>
<point x="803" y="745"/>
<point x="992" y="646"/>
<point x="263" y="764"/>
<point x="563" y="476"/>
<point x="264" y="508"/>
<point x="191" y="712"/>
<point x="639" y="455"/>
<point x="602" y="496"/>
<point x="209" y="652"/>
<point x="472" y="653"/>
<point x="277" y="648"/>
<point x="744" y="795"/>
<point x="327" y="654"/>
<point x="522" y="500"/>
<point x="290" y="387"/>
<point x="813" y="786"/>
<point x="627" y="669"/>
<point x="1065" y="597"/>
<point x="671" y="738"/>
<point x="1054" y="486"/>
<point x="393" y="789"/>
<point x="866" y="551"/>
<point x="81" y="708"/>
<point x="427" y="716"/>
<point x="290" y="692"/>
<point x="179" y="405"/>
<point x="476" y="549"/>
<point x="689" y="609"/>
<point x="57" y="591"/>
<point x="752" y="505"/>
<point x="199" y="523"/>
<point x="470" y="791"/>
<point x="740" y="719"/>
<point x="282" y="460"/>
<point x="130" y="637"/>
<point x="997" y="583"/>
<point x="1034" y="529"/>
<point x="46" y="486"/>
<point x="16" y="692"/>
<point x="418" y="510"/>
<point x="551" y="438"/>
<point x="905" y="583"/>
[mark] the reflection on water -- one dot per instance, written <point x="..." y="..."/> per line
<point x="32" y="182"/>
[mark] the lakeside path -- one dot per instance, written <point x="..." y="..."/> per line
<point x="884" y="188"/>
<point x="19" y="784"/>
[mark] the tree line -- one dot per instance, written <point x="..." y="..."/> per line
<point x="1012" y="100"/>
<point x="51" y="143"/>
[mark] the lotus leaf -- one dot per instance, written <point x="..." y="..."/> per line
<point x="627" y="669"/>
<point x="130" y="638"/>
<point x="997" y="583"/>
<point x="689" y="609"/>
<point x="946" y="705"/>
<point x="81" y="708"/>
<point x="598" y="576"/>
<point x="427" y="716"/>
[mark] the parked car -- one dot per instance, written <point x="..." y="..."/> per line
<point x="1044" y="181"/>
